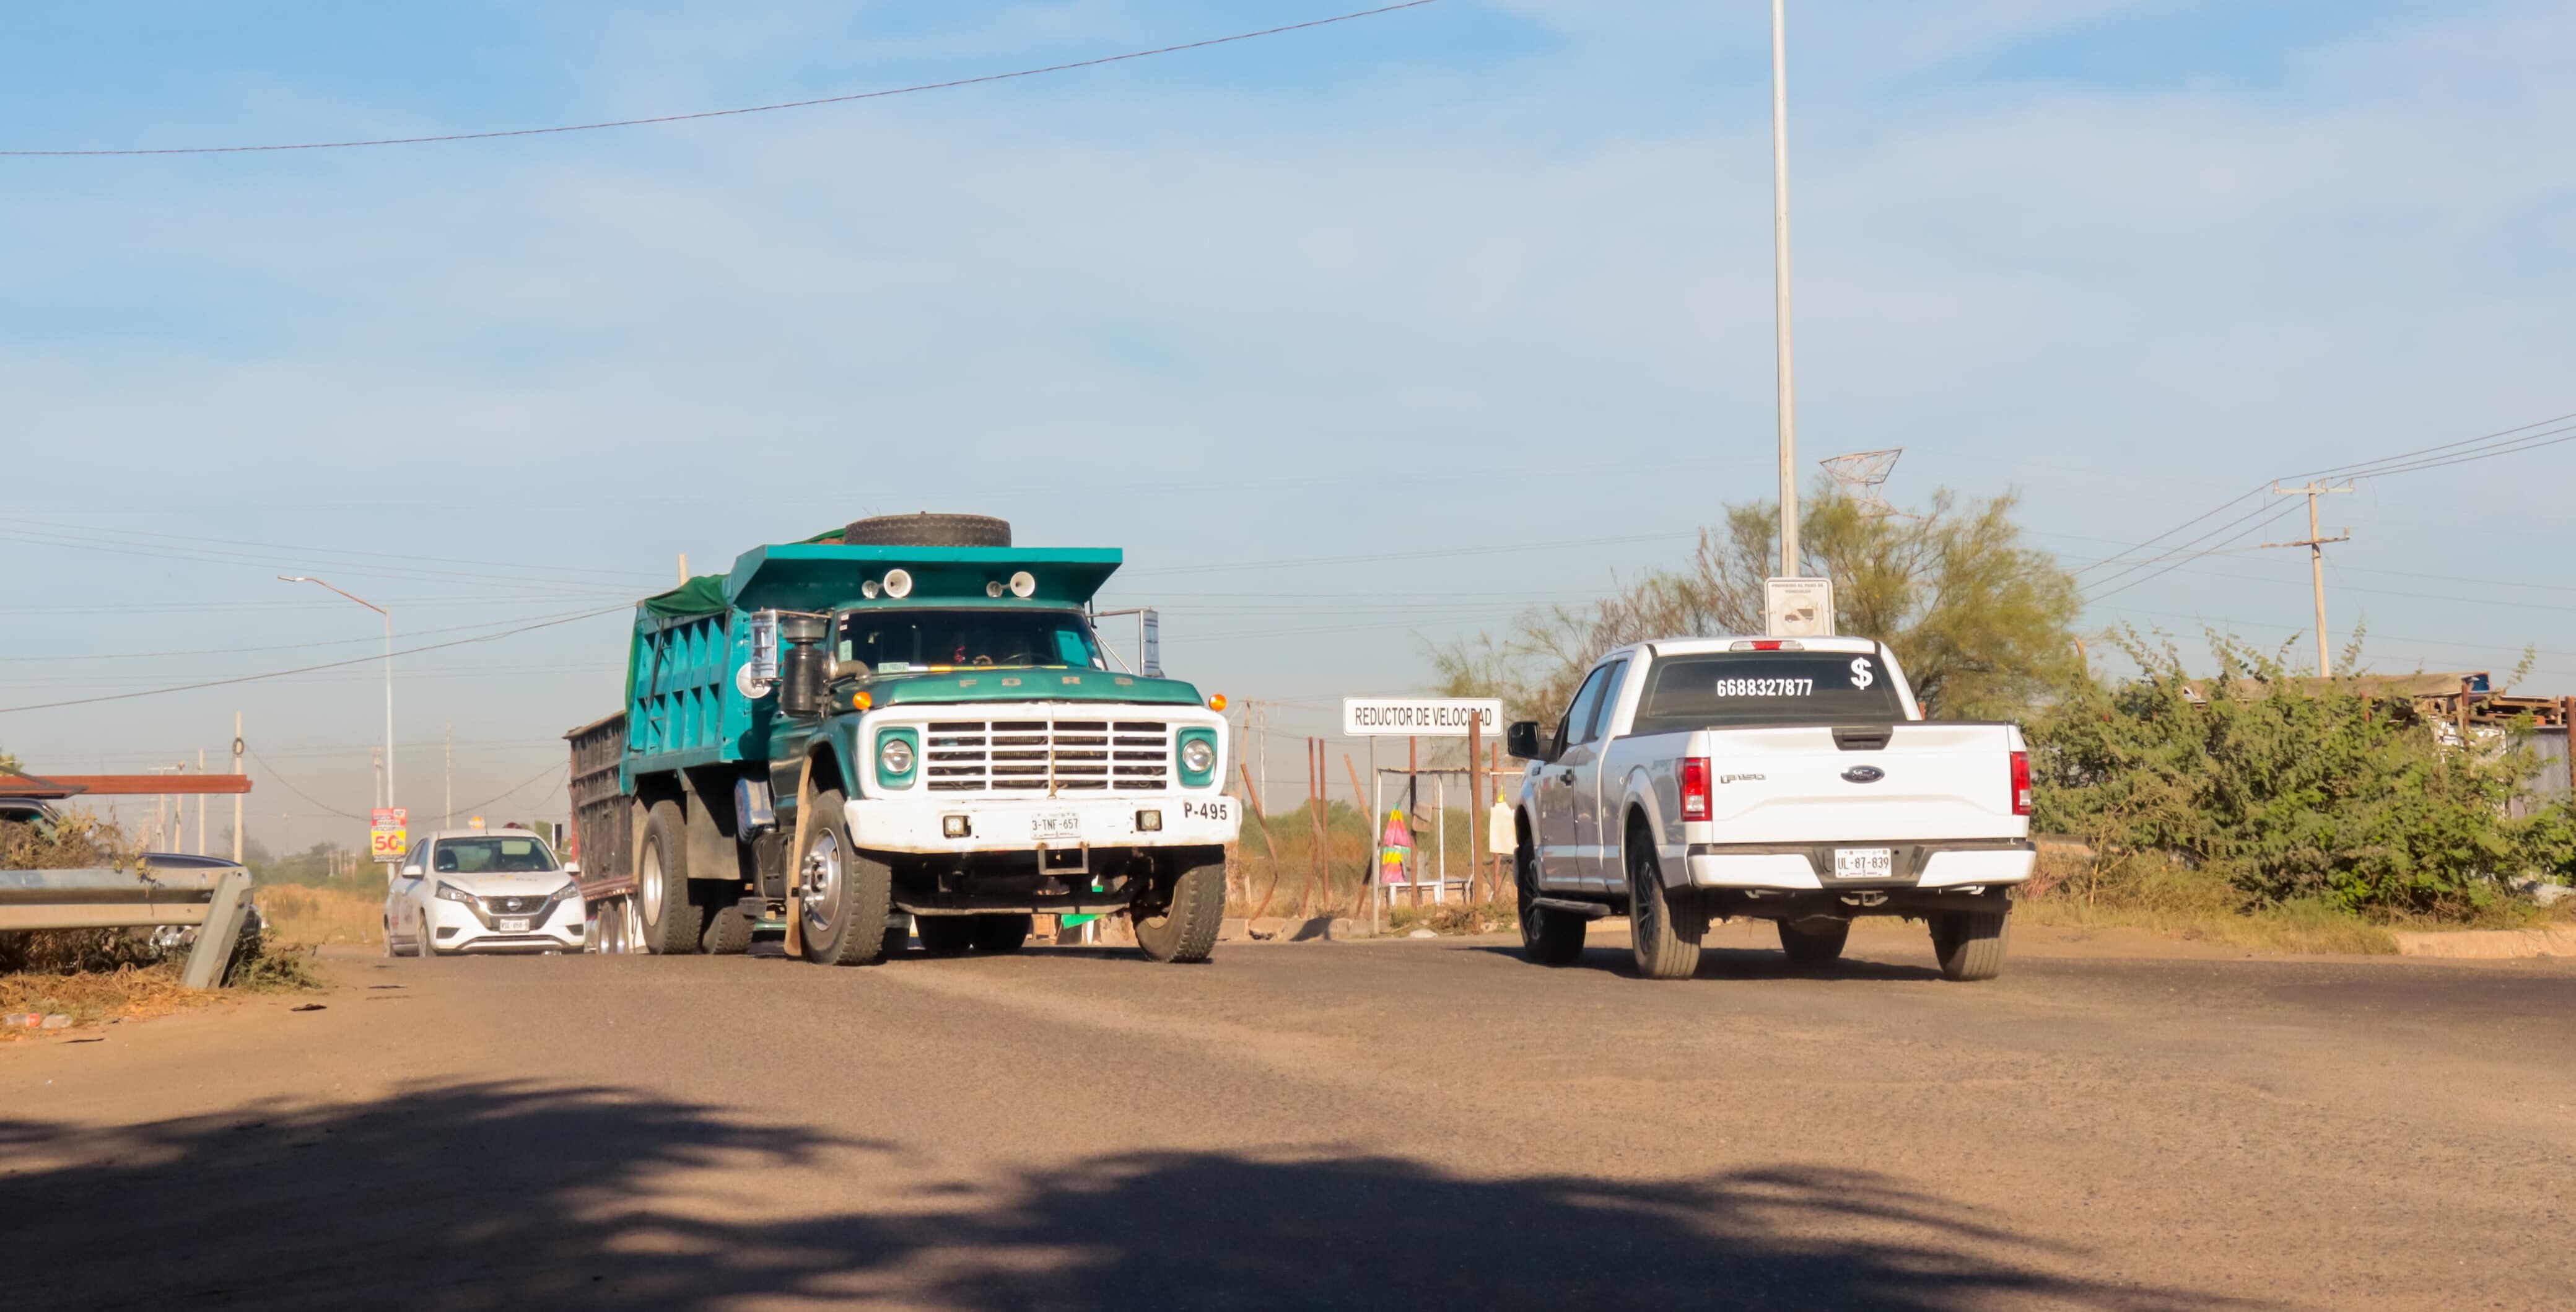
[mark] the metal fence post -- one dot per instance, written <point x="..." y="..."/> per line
<point x="222" y="929"/>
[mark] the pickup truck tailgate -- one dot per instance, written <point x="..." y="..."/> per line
<point x="1797" y="784"/>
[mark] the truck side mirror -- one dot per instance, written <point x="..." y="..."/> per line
<point x="1521" y="739"/>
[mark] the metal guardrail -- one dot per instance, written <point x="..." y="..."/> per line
<point x="213" y="899"/>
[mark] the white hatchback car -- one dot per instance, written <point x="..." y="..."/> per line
<point x="462" y="890"/>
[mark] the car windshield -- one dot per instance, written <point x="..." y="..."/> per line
<point x="1726" y="690"/>
<point x="497" y="855"/>
<point x="908" y="641"/>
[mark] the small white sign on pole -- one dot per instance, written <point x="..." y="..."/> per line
<point x="1421" y="717"/>
<point x="1798" y="608"/>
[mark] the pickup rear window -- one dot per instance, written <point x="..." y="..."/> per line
<point x="1738" y="689"/>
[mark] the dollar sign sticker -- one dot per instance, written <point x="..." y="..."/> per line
<point x="1861" y="677"/>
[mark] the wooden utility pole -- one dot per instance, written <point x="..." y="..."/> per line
<point x="237" y="798"/>
<point x="2316" y="545"/>
<point x="1475" y="805"/>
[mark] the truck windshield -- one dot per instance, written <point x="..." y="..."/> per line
<point x="1736" y="689"/>
<point x="907" y="641"/>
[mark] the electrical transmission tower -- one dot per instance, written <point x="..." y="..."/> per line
<point x="1860" y="475"/>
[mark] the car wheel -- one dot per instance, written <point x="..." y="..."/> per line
<point x="422" y="945"/>
<point x="1550" y="938"/>
<point x="1666" y="936"/>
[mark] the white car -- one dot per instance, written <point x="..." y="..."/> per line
<point x="462" y="890"/>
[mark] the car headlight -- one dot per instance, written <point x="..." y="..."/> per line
<point x="1198" y="756"/>
<point x="894" y="756"/>
<point x="448" y="892"/>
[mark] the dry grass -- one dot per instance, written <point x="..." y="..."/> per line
<point x="1455" y="918"/>
<point x="296" y="913"/>
<point x="95" y="998"/>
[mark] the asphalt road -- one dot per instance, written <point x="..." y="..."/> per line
<point x="1400" y="1124"/>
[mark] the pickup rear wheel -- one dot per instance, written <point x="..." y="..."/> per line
<point x="1970" y="944"/>
<point x="1666" y="936"/>
<point x="847" y="893"/>
<point x="670" y="922"/>
<point x="1550" y="938"/>
<point x="1814" y="942"/>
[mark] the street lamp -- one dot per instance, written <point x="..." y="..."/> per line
<point x="1780" y="289"/>
<point x="389" y="674"/>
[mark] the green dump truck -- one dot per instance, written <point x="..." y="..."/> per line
<point x="907" y="725"/>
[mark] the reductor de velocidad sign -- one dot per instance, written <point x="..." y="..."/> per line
<point x="1421" y="717"/>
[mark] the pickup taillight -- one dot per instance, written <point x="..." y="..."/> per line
<point x="1694" y="788"/>
<point x="2021" y="783"/>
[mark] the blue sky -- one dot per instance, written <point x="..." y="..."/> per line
<point x="1353" y="337"/>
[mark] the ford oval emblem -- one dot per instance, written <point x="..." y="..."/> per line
<point x="1864" y="774"/>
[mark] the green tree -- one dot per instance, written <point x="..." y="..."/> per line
<point x="1982" y="623"/>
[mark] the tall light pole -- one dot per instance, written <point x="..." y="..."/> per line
<point x="389" y="673"/>
<point x="1780" y="266"/>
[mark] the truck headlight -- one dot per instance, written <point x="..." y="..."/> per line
<point x="1196" y="756"/>
<point x="898" y="755"/>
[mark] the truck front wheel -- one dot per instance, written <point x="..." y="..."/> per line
<point x="847" y="893"/>
<point x="670" y="921"/>
<point x="1970" y="944"/>
<point x="1185" y="928"/>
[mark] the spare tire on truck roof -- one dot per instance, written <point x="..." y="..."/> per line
<point x="926" y="529"/>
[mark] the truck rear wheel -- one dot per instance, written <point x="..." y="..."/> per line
<point x="669" y="920"/>
<point x="1816" y="942"/>
<point x="1003" y="933"/>
<point x="847" y="893"/>
<point x="1666" y="937"/>
<point x="1550" y="938"/>
<point x="728" y="932"/>
<point x="1185" y="929"/>
<point x="1970" y="944"/>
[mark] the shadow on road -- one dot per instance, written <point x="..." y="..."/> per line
<point x="509" y="1196"/>
<point x="1732" y="963"/>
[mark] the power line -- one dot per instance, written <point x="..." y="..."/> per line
<point x="284" y="783"/>
<point x="307" y="669"/>
<point x="751" y="109"/>
<point x="283" y="646"/>
<point x="469" y="810"/>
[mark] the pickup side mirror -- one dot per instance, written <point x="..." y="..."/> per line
<point x="1520" y="739"/>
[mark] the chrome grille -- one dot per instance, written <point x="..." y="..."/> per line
<point x="976" y="756"/>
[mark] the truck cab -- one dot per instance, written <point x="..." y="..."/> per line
<point x="864" y="734"/>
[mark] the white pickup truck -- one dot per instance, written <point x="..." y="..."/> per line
<point x="1791" y="780"/>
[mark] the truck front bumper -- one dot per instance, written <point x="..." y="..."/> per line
<point x="922" y="822"/>
<point x="1953" y="863"/>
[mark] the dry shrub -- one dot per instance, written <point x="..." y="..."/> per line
<point x="297" y="913"/>
<point x="75" y="840"/>
<point x="126" y="993"/>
